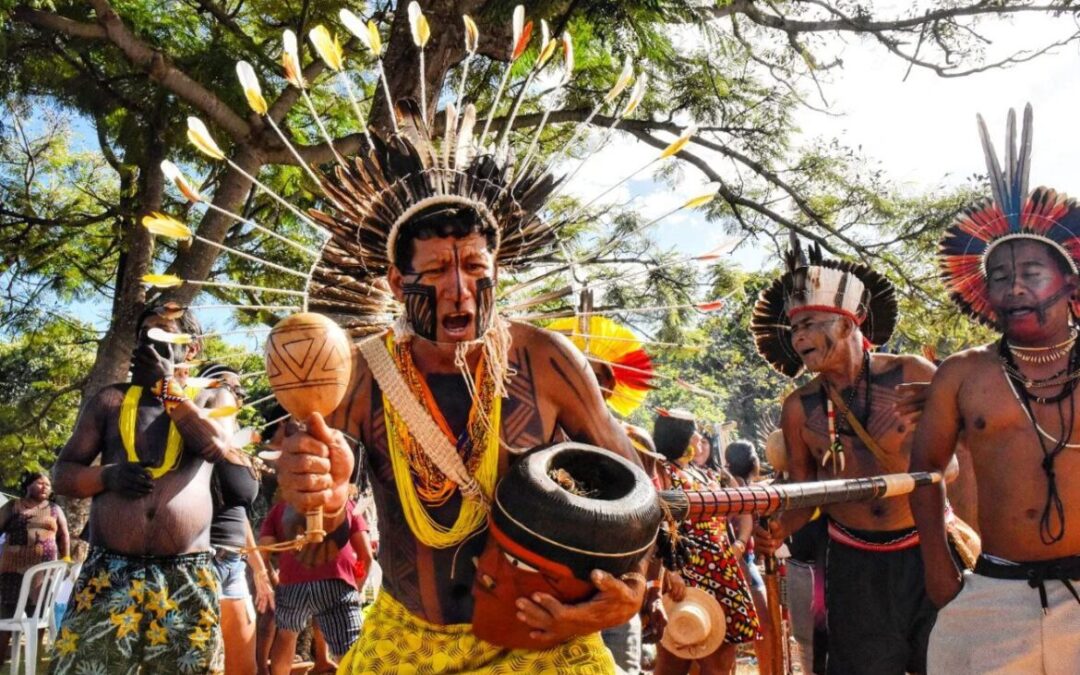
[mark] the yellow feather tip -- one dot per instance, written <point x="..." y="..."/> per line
<point x="166" y="226"/>
<point x="162" y="280"/>
<point x="327" y="46"/>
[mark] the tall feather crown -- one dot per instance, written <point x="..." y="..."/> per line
<point x="390" y="183"/>
<point x="822" y="285"/>
<point x="1012" y="213"/>
<point x="371" y="198"/>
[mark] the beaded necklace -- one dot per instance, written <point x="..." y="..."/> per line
<point x="835" y="452"/>
<point x="420" y="484"/>
<point x="1054" y="510"/>
<point x="1044" y="355"/>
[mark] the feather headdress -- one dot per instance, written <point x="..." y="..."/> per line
<point x="607" y="342"/>
<point x="822" y="285"/>
<point x="371" y="198"/>
<point x="1044" y="215"/>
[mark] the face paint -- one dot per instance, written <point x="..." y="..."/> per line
<point x="163" y="349"/>
<point x="420" y="308"/>
<point x="1040" y="309"/>
<point x="485" y="304"/>
<point x="1025" y="284"/>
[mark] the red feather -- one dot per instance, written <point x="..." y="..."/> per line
<point x="523" y="41"/>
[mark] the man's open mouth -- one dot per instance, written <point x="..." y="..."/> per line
<point x="457" y="323"/>
<point x="1017" y="312"/>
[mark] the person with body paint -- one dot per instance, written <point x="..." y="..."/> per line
<point x="1011" y="263"/>
<point x="853" y="419"/>
<point x="147" y="596"/>
<point x="452" y="352"/>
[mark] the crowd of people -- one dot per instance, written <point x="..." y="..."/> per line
<point x="445" y="402"/>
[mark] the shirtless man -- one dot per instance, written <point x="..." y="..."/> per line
<point x="879" y="617"/>
<point x="1013" y="402"/>
<point x="446" y="264"/>
<point x="147" y="595"/>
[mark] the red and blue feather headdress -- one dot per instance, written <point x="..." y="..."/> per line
<point x="1044" y="215"/>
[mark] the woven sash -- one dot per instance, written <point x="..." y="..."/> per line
<point x="422" y="427"/>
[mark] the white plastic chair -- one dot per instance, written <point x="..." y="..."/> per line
<point x="49" y="575"/>
<point x="64" y="597"/>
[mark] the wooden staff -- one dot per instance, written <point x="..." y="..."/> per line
<point x="772" y="597"/>
<point x="309" y="363"/>
<point x="763" y="500"/>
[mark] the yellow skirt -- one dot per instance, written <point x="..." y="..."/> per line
<point x="395" y="642"/>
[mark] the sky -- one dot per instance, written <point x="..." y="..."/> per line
<point x="921" y="130"/>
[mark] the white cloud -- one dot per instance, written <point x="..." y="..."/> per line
<point x="921" y="130"/>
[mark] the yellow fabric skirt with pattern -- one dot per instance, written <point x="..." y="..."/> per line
<point x="395" y="642"/>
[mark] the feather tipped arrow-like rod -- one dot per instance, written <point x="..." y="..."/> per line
<point x="172" y="281"/>
<point x="625" y="76"/>
<point x="290" y="61"/>
<point x="174" y="175"/>
<point x="253" y="92"/>
<point x="369" y="35"/>
<point x="549" y="100"/>
<point x="200" y="137"/>
<point x="521" y="33"/>
<point x="472" y="43"/>
<point x="637" y="95"/>
<point x="644" y="341"/>
<point x="707" y="307"/>
<point x="672" y="149"/>
<point x="249" y="307"/>
<point x="421" y="33"/>
<point x="709" y="256"/>
<point x="547" y="48"/>
<point x="331" y="53"/>
<point x="606" y="248"/>
<point x="167" y="226"/>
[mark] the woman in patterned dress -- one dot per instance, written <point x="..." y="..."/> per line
<point x="712" y="563"/>
<point x="35" y="532"/>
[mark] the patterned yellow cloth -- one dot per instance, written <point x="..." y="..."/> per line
<point x="395" y="642"/>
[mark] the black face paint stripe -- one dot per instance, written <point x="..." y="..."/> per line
<point x="420" y="309"/>
<point x="485" y="304"/>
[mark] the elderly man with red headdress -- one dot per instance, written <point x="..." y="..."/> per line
<point x="823" y="316"/>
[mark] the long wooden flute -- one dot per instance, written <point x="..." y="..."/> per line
<point x="763" y="500"/>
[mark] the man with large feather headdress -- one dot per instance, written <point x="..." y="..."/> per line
<point x="1010" y="263"/>
<point x="824" y="316"/>
<point x="442" y="401"/>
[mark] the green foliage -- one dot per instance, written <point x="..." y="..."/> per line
<point x="42" y="371"/>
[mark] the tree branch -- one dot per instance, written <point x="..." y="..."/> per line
<point x="58" y="24"/>
<point x="850" y="24"/>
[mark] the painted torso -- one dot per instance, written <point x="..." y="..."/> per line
<point x="171" y="520"/>
<point x="436" y="584"/>
<point x="1007" y="456"/>
<point x="886" y="372"/>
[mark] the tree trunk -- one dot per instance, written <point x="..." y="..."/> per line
<point x="114" y="351"/>
<point x="444" y="51"/>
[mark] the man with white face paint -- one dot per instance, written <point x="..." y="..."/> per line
<point x="851" y="420"/>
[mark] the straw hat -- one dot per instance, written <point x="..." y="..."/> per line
<point x="695" y="627"/>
